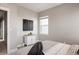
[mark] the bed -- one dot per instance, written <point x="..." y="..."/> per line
<point x="52" y="48"/>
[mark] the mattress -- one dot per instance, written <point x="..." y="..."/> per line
<point x="52" y="48"/>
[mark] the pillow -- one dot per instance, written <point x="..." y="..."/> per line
<point x="48" y="44"/>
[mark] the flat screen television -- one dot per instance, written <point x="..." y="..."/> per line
<point x="27" y="25"/>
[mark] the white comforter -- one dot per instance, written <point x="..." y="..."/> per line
<point x="52" y="48"/>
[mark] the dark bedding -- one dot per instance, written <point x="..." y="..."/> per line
<point x="78" y="52"/>
<point x="36" y="49"/>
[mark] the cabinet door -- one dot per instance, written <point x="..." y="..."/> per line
<point x="29" y="40"/>
<point x="33" y="39"/>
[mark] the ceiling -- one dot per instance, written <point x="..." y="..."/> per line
<point x="38" y="7"/>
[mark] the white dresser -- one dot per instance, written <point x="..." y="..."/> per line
<point x="28" y="40"/>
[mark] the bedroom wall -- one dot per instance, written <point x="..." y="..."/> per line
<point x="12" y="27"/>
<point x="63" y="23"/>
<point x="15" y="33"/>
<point x="24" y="13"/>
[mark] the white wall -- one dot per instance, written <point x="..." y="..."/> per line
<point x="15" y="33"/>
<point x="24" y="13"/>
<point x="63" y="23"/>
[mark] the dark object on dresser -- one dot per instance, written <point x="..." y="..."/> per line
<point x="36" y="49"/>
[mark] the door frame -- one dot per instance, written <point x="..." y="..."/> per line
<point x="8" y="13"/>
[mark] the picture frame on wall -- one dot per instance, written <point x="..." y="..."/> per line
<point x="27" y="25"/>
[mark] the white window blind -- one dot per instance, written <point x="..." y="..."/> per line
<point x="44" y="25"/>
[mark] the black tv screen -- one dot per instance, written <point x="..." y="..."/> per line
<point x="27" y="25"/>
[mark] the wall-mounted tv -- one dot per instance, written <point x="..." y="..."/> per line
<point x="27" y="25"/>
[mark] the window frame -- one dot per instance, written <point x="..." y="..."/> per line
<point x="40" y="26"/>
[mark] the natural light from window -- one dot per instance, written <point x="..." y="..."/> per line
<point x="44" y="25"/>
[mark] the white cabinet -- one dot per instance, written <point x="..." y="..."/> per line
<point x="28" y="40"/>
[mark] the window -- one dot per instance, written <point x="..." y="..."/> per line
<point x="44" y="25"/>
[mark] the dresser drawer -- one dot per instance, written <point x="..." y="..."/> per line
<point x="30" y="40"/>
